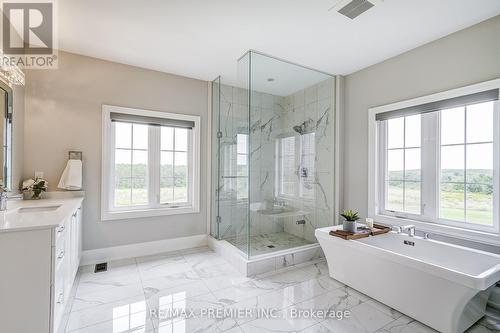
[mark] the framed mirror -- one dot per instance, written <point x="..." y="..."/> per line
<point x="6" y="135"/>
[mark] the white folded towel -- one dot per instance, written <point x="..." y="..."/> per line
<point x="71" y="178"/>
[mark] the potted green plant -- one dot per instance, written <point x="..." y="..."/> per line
<point x="3" y="197"/>
<point x="33" y="188"/>
<point x="350" y="217"/>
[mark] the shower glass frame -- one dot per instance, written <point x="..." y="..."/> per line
<point x="251" y="68"/>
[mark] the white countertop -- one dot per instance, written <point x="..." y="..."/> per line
<point x="13" y="220"/>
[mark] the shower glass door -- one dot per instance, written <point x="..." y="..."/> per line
<point x="230" y="163"/>
<point x="215" y="144"/>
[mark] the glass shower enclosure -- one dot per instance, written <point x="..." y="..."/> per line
<point x="273" y="156"/>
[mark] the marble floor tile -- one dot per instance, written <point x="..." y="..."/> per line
<point x="106" y="312"/>
<point x="123" y="298"/>
<point x="270" y="300"/>
<point x="202" y="262"/>
<point x="363" y="318"/>
<point x="111" y="278"/>
<point x="385" y="309"/>
<point x="88" y="286"/>
<point x="479" y="329"/>
<point x="491" y="320"/>
<point x="135" y="323"/>
<point x="108" y="296"/>
<point x="202" y="259"/>
<point x="225" y="281"/>
<point x="406" y="324"/>
<point x="335" y="300"/>
<point x="154" y="292"/>
<point x="171" y="281"/>
<point x="235" y="329"/>
<point x="316" y="269"/>
<point x="310" y="288"/>
<point x="318" y="328"/>
<point x="283" y="322"/>
<point x="157" y="271"/>
<point x="174" y="279"/>
<point x="239" y="292"/>
<point x="216" y="271"/>
<point x="199" y="321"/>
<point x="197" y="324"/>
<point x="119" y="274"/>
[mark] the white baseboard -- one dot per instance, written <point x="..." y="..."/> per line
<point x="91" y="257"/>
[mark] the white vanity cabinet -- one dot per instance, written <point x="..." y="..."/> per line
<point x="66" y="251"/>
<point x="38" y="266"/>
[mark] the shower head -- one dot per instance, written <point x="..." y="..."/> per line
<point x="299" y="129"/>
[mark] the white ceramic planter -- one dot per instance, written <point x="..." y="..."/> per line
<point x="349" y="226"/>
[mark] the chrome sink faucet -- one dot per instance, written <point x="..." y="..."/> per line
<point x="410" y="229"/>
<point x="4" y="198"/>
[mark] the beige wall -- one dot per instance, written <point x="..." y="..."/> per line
<point x="462" y="58"/>
<point x="63" y="112"/>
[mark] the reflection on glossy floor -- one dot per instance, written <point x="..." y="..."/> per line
<point x="260" y="244"/>
<point x="121" y="299"/>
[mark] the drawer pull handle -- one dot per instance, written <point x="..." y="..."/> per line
<point x="60" y="298"/>
<point x="60" y="229"/>
<point x="60" y="255"/>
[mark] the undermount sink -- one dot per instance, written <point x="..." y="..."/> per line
<point x="38" y="209"/>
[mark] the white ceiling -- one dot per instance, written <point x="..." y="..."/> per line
<point x="203" y="39"/>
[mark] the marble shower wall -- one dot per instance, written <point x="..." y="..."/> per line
<point x="312" y="109"/>
<point x="272" y="117"/>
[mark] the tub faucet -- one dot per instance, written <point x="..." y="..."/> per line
<point x="410" y="228"/>
<point x="396" y="229"/>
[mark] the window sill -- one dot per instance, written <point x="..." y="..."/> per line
<point x="141" y="213"/>
<point x="492" y="238"/>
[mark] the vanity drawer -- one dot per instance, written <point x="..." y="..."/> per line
<point x="59" y="249"/>
<point x="59" y="302"/>
<point x="60" y="233"/>
<point x="60" y="285"/>
<point x="60" y="255"/>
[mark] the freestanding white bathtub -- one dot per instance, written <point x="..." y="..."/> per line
<point x="441" y="285"/>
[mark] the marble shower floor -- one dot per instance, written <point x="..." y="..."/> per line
<point x="121" y="299"/>
<point x="260" y="244"/>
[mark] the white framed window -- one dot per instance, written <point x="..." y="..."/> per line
<point x="295" y="169"/>
<point x="307" y="166"/>
<point x="434" y="162"/>
<point x="286" y="170"/>
<point x="150" y="163"/>
<point x="400" y="158"/>
<point x="242" y="166"/>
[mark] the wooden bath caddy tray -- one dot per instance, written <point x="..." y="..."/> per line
<point x="376" y="230"/>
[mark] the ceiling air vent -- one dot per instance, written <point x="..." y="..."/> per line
<point x="355" y="8"/>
